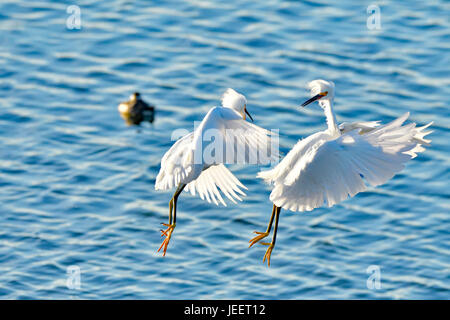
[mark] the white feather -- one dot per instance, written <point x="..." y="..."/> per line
<point x="328" y="167"/>
<point x="232" y="99"/>
<point x="185" y="163"/>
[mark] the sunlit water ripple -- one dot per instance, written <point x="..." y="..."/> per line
<point x="77" y="185"/>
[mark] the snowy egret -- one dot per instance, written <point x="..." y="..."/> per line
<point x="329" y="166"/>
<point x="186" y="166"/>
<point x="136" y="110"/>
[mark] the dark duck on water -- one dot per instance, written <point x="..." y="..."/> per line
<point x="136" y="110"/>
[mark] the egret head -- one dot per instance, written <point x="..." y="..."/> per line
<point x="234" y="100"/>
<point x="320" y="90"/>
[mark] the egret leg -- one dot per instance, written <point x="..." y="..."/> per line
<point x="274" y="237"/>
<point x="262" y="235"/>
<point x="172" y="219"/>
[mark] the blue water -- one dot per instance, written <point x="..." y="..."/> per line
<point x="77" y="184"/>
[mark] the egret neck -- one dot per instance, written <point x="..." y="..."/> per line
<point x="327" y="105"/>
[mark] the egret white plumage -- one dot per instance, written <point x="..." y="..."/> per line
<point x="329" y="166"/>
<point x="185" y="167"/>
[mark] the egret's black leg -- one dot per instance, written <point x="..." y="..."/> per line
<point x="274" y="237"/>
<point x="172" y="219"/>
<point x="262" y="235"/>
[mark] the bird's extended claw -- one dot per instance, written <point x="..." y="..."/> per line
<point x="259" y="237"/>
<point x="268" y="252"/>
<point x="164" y="232"/>
<point x="168" y="234"/>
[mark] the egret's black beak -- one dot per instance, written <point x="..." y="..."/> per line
<point x="245" y="110"/>
<point x="316" y="97"/>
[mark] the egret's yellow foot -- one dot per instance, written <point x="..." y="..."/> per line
<point x="168" y="234"/>
<point x="268" y="252"/>
<point x="164" y="232"/>
<point x="259" y="237"/>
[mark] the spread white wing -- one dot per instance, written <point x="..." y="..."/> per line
<point x="176" y="164"/>
<point x="187" y="160"/>
<point x="365" y="126"/>
<point x="213" y="179"/>
<point x="321" y="170"/>
<point x="242" y="141"/>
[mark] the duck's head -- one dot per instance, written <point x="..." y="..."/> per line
<point x="135" y="96"/>
<point x="126" y="107"/>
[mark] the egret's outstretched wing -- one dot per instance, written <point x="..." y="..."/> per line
<point x="216" y="177"/>
<point x="365" y="126"/>
<point x="242" y="141"/>
<point x="418" y="138"/>
<point x="320" y="171"/>
<point x="176" y="164"/>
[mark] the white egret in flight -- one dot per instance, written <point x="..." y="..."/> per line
<point x="185" y="166"/>
<point x="329" y="166"/>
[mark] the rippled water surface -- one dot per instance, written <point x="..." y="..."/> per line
<point x="77" y="184"/>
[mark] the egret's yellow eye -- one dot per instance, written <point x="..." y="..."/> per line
<point x="324" y="93"/>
